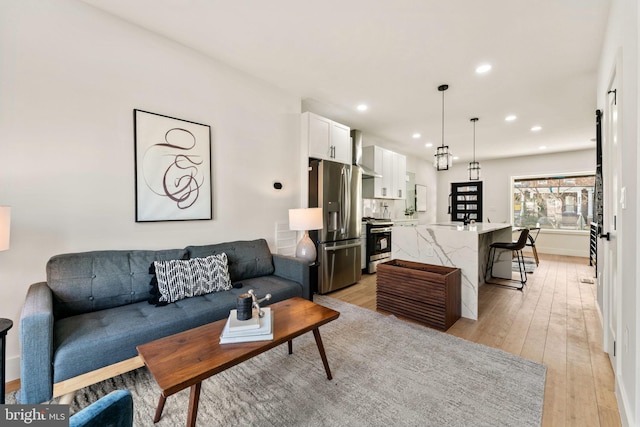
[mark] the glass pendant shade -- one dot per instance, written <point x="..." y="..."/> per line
<point x="443" y="157"/>
<point x="474" y="171"/>
<point x="474" y="167"/>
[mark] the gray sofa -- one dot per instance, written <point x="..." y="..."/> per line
<point x="93" y="310"/>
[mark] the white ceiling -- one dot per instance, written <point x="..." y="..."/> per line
<point x="393" y="54"/>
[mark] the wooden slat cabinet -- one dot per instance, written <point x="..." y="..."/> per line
<point x="429" y="294"/>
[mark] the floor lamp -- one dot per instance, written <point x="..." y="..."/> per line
<point x="305" y="219"/>
<point x="5" y="324"/>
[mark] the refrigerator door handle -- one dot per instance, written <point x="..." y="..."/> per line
<point x="347" y="200"/>
<point x="343" y="200"/>
<point x="337" y="248"/>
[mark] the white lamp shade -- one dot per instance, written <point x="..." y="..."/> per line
<point x="5" y="227"/>
<point x="305" y="219"/>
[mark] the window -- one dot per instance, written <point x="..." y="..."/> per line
<point x="561" y="202"/>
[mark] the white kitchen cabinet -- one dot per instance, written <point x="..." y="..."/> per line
<point x="393" y="168"/>
<point x="399" y="183"/>
<point x="328" y="140"/>
<point x="374" y="188"/>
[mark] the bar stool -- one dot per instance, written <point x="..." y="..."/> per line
<point x="515" y="247"/>
<point x="531" y="242"/>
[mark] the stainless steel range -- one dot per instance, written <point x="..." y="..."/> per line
<point x="378" y="242"/>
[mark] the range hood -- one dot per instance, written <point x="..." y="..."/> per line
<point x="356" y="141"/>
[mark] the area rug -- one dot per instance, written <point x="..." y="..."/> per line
<point x="529" y="265"/>
<point x="385" y="372"/>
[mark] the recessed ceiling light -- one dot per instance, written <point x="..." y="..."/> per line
<point x="543" y="147"/>
<point x="456" y="158"/>
<point x="510" y="117"/>
<point x="481" y="69"/>
<point x="416" y="135"/>
<point x="362" y="107"/>
<point x="536" y="128"/>
<point x="428" y="145"/>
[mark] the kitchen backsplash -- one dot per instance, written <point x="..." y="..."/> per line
<point x="375" y="208"/>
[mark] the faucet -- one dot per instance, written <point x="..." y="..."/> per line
<point x="466" y="220"/>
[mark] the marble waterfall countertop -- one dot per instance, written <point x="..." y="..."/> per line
<point x="455" y="245"/>
<point x="478" y="227"/>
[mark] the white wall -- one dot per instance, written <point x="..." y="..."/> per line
<point x="620" y="51"/>
<point x="425" y="175"/>
<point x="70" y="76"/>
<point x="496" y="177"/>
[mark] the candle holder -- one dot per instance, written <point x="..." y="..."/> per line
<point x="244" y="302"/>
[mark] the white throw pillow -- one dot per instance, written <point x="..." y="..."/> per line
<point x="179" y="279"/>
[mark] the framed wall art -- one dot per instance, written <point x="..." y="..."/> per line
<point x="421" y="198"/>
<point x="172" y="168"/>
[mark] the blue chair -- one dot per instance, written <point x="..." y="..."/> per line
<point x="113" y="410"/>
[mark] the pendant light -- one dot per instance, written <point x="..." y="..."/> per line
<point x="474" y="167"/>
<point x="443" y="157"/>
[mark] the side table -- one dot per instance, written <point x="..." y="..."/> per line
<point x="5" y="325"/>
<point x="313" y="277"/>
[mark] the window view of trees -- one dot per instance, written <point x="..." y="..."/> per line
<point x="554" y="202"/>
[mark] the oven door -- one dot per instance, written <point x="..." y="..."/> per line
<point x="378" y="241"/>
<point x="378" y="247"/>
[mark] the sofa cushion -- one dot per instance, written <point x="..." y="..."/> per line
<point x="180" y="279"/>
<point x="89" y="281"/>
<point x="247" y="259"/>
<point x="93" y="340"/>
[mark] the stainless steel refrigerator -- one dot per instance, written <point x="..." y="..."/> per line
<point x="337" y="189"/>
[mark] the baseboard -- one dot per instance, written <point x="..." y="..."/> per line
<point x="600" y="317"/>
<point x="563" y="251"/>
<point x="626" y="417"/>
<point x="11" y="386"/>
<point x="12" y="366"/>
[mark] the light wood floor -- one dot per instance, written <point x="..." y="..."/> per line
<point x="553" y="321"/>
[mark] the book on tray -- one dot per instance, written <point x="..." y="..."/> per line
<point x="255" y="329"/>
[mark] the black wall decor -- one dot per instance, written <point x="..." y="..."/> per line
<point x="599" y="217"/>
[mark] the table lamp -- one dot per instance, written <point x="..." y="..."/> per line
<point x="5" y="223"/>
<point x="5" y="324"/>
<point x="305" y="219"/>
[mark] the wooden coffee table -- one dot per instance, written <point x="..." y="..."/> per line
<point x="186" y="359"/>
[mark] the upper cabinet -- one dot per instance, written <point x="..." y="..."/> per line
<point x="393" y="168"/>
<point x="328" y="140"/>
<point x="399" y="184"/>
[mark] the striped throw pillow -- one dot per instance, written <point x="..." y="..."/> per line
<point x="179" y="279"/>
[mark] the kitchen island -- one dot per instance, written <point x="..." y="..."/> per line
<point x="455" y="245"/>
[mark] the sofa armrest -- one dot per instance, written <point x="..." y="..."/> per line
<point x="36" y="339"/>
<point x="115" y="409"/>
<point x="295" y="269"/>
